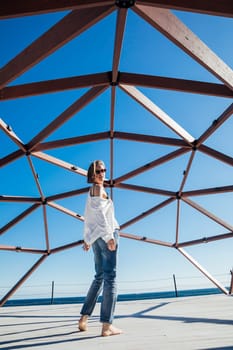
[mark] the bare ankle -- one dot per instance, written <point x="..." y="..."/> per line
<point x="106" y="325"/>
<point x="108" y="329"/>
<point x="82" y="324"/>
<point x="84" y="317"/>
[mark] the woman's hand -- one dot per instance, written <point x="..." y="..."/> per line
<point x="111" y="244"/>
<point x="86" y="246"/>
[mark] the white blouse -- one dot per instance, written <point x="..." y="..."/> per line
<point x="99" y="219"/>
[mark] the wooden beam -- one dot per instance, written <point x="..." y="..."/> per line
<point x="15" y="8"/>
<point x="207" y="191"/>
<point x="175" y="84"/>
<point x="56" y="85"/>
<point x="18" y="218"/>
<point x="66" y="115"/>
<point x="207" y="213"/>
<point x="66" y="246"/>
<point x="209" y="7"/>
<point x="205" y="240"/>
<point x="144" y="189"/>
<point x="169" y="25"/>
<point x="215" y="125"/>
<point x="60" y="163"/>
<point x="11" y="157"/>
<point x="68" y="194"/>
<point x="68" y="28"/>
<point x="111" y="135"/>
<point x="204" y="271"/>
<point x="19" y="249"/>
<point x="97" y="79"/>
<point x="23" y="279"/>
<point x="177" y="222"/>
<point x="120" y="29"/>
<point x="36" y="178"/>
<point x="216" y="154"/>
<point x="10" y="133"/>
<point x="151" y="165"/>
<point x="65" y="210"/>
<point x="46" y="229"/>
<point x="186" y="173"/>
<point x="169" y="141"/>
<point x="145" y="239"/>
<point x="157" y="112"/>
<point x="72" y="141"/>
<point x="231" y="284"/>
<point x="19" y="199"/>
<point x="147" y="212"/>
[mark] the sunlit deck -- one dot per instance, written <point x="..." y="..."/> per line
<point x="203" y="322"/>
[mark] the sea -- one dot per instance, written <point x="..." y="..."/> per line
<point x="121" y="297"/>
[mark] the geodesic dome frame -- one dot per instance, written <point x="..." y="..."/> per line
<point x="84" y="14"/>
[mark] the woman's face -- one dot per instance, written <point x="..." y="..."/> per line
<point x="100" y="173"/>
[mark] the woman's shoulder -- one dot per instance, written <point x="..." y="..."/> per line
<point x="96" y="190"/>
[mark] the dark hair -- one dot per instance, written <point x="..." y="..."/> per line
<point x="91" y="170"/>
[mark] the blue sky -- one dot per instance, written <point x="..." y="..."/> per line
<point x="142" y="266"/>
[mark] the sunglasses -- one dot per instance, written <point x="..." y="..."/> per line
<point x="100" y="171"/>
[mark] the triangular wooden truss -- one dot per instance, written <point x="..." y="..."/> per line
<point x="84" y="14"/>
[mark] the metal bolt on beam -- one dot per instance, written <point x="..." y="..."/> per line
<point x="125" y="3"/>
<point x="178" y="196"/>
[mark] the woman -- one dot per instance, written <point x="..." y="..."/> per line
<point x="100" y="233"/>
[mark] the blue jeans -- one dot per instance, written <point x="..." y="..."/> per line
<point x="105" y="278"/>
